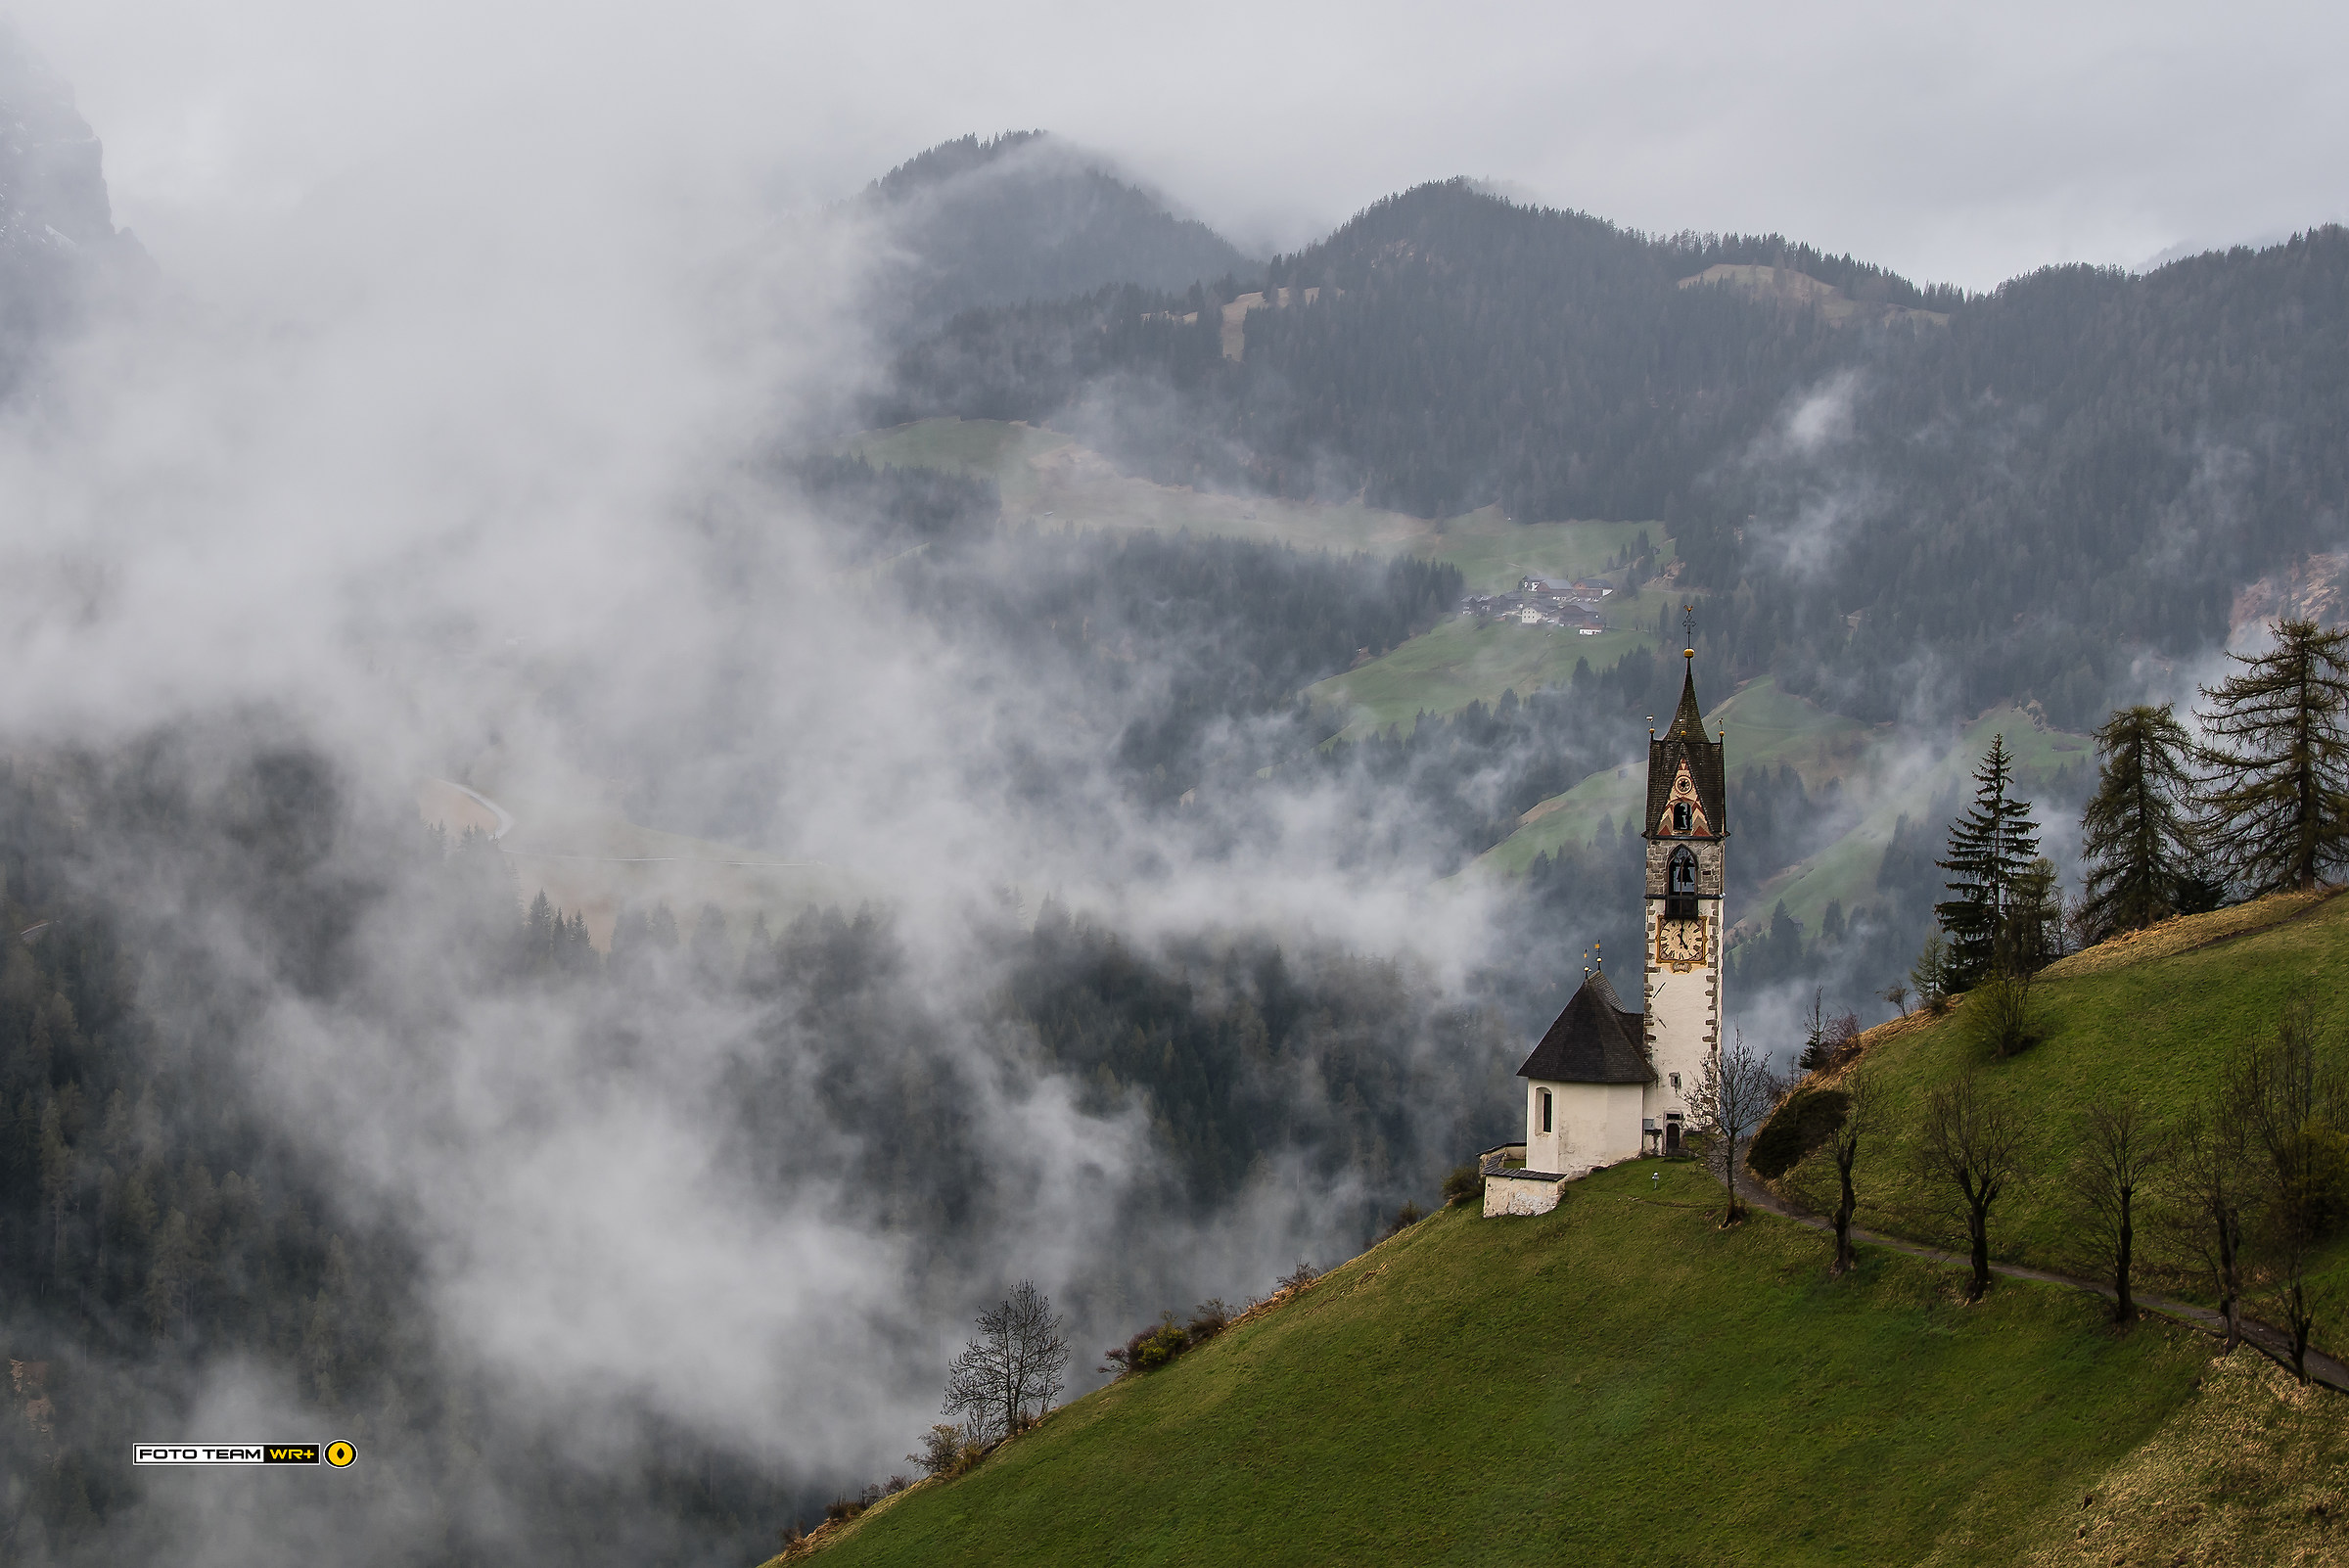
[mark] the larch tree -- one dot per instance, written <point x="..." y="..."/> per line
<point x="2287" y="1091"/>
<point x="2275" y="795"/>
<point x="2120" y="1152"/>
<point x="1991" y="851"/>
<point x="1974" y="1141"/>
<point x="2209" y="1183"/>
<point x="2134" y="831"/>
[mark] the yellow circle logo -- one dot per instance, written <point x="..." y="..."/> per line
<point x="339" y="1454"/>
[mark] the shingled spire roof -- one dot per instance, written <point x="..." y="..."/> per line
<point x="1688" y="723"/>
<point x="1686" y="742"/>
<point x="1593" y="1042"/>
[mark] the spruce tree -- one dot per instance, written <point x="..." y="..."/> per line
<point x="2275" y="793"/>
<point x="1991" y="849"/>
<point x="2135" y="830"/>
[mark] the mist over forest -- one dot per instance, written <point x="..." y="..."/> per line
<point x="849" y="885"/>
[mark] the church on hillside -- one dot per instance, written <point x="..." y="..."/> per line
<point x="1607" y="1083"/>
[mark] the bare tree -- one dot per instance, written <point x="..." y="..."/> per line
<point x="1859" y="1123"/>
<point x="2287" y="1091"/>
<point x="2120" y="1150"/>
<point x="1896" y="994"/>
<point x="2209" y="1179"/>
<point x="1734" y="1091"/>
<point x="1011" y="1373"/>
<point x="1975" y="1142"/>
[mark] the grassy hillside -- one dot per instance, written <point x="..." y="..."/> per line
<point x="1622" y="1382"/>
<point x="1461" y="660"/>
<point x="2152" y="1017"/>
<point x="1616" y="1382"/>
<point x="1766" y="727"/>
<point x="1047" y="478"/>
<point x="1494" y="552"/>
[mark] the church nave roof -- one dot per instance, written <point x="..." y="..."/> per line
<point x="1594" y="1040"/>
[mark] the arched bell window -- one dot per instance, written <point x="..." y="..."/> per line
<point x="1679" y="886"/>
<point x="1683" y="817"/>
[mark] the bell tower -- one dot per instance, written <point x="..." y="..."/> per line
<point x="1686" y="831"/>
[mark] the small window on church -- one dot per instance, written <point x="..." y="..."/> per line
<point x="1545" y="1110"/>
<point x="1681" y="820"/>
<point x="1675" y="1081"/>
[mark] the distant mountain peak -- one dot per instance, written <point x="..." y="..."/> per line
<point x="52" y="184"/>
<point x="945" y="161"/>
<point x="1026" y="216"/>
<point x="57" y="239"/>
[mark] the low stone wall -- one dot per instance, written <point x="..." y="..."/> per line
<point x="1513" y="1192"/>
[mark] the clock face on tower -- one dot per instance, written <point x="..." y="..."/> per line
<point x="1680" y="942"/>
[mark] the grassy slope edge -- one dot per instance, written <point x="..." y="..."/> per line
<point x="2152" y="1014"/>
<point x="1619" y="1381"/>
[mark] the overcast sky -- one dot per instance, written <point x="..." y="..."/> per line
<point x="1960" y="142"/>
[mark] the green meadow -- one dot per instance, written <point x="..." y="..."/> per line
<point x="1618" y="1382"/>
<point x="1623" y="1381"/>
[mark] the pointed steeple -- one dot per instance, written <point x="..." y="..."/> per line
<point x="1688" y="723"/>
<point x="1685" y="749"/>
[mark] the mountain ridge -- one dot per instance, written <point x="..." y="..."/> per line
<point x="1025" y="215"/>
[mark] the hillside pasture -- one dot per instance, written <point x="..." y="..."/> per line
<point x="1050" y="481"/>
<point x="1619" y="1381"/>
<point x="2152" y="1020"/>
<point x="1460" y="661"/>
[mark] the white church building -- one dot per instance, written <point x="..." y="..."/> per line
<point x="1607" y="1083"/>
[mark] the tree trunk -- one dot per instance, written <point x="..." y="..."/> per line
<point x="2123" y="1309"/>
<point x="1978" y="1221"/>
<point x="2230" y="1288"/>
<point x="1844" y="1260"/>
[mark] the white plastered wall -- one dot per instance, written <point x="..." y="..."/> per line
<point x="1683" y="1009"/>
<point x="1591" y="1124"/>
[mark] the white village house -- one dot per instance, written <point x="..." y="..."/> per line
<point x="1608" y="1083"/>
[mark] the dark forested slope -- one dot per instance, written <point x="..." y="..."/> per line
<point x="2009" y="495"/>
<point x="173" y="1217"/>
